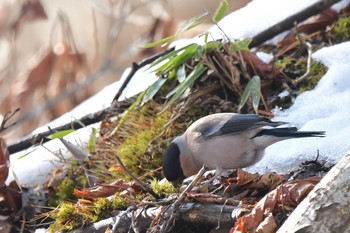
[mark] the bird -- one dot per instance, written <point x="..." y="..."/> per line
<point x="224" y="141"/>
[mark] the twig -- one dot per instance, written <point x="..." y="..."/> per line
<point x="167" y="225"/>
<point x="6" y="118"/>
<point x="191" y="185"/>
<point x="222" y="209"/>
<point x="89" y="119"/>
<point x="286" y="24"/>
<point x="135" y="67"/>
<point x="308" y="65"/>
<point x="144" y="186"/>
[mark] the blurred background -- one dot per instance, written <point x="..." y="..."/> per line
<point x="56" y="53"/>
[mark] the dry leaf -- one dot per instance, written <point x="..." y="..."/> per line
<point x="318" y="22"/>
<point x="262" y="69"/>
<point x="4" y="162"/>
<point x="244" y="177"/>
<point x="106" y="190"/>
<point x="285" y="195"/>
<point x="210" y="198"/>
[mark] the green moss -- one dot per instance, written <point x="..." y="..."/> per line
<point x="64" y="191"/>
<point x="134" y="148"/>
<point x="317" y="71"/>
<point x="70" y="216"/>
<point x="341" y="30"/>
<point x="102" y="209"/>
<point x="283" y="63"/>
<point x="164" y="189"/>
<point x="66" y="218"/>
<point x="119" y="202"/>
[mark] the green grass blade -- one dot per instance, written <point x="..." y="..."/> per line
<point x="168" y="56"/>
<point x="241" y="45"/>
<point x="220" y="11"/>
<point x="152" y="90"/>
<point x="193" y="22"/>
<point x="192" y="77"/>
<point x="253" y="88"/>
<point x="245" y="95"/>
<point x="256" y="87"/>
<point x="61" y="134"/>
<point x="159" y="42"/>
<point x="179" y="59"/>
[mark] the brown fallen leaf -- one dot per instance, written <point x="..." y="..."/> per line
<point x="10" y="200"/>
<point x="311" y="27"/>
<point x="210" y="198"/>
<point x="244" y="177"/>
<point x="269" y="225"/>
<point x="261" y="68"/>
<point x="318" y="22"/>
<point x="289" y="194"/>
<point x="106" y="190"/>
<point x="4" y="162"/>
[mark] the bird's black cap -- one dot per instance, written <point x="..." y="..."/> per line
<point x="171" y="164"/>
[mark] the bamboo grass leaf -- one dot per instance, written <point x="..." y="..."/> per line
<point x="160" y="42"/>
<point x="193" y="22"/>
<point x="256" y="89"/>
<point x="152" y="90"/>
<point x="179" y="59"/>
<point x="181" y="73"/>
<point x="220" y="11"/>
<point x="252" y="89"/>
<point x="241" y="45"/>
<point x="192" y="77"/>
<point x="60" y="134"/>
<point x="167" y="56"/>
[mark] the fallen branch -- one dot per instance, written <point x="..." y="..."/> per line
<point x="135" y="67"/>
<point x="288" y="23"/>
<point x="191" y="214"/>
<point x="89" y="119"/>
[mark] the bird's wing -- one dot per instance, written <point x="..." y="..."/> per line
<point x="237" y="124"/>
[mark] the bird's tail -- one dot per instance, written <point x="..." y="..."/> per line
<point x="290" y="132"/>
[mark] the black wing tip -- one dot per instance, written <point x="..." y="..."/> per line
<point x="315" y="133"/>
<point x="291" y="132"/>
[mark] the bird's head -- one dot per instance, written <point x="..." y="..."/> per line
<point x="171" y="164"/>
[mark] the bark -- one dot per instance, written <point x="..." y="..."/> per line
<point x="326" y="208"/>
<point x="204" y="216"/>
<point x="288" y="23"/>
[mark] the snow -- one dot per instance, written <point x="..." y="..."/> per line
<point x="44" y="160"/>
<point x="254" y="18"/>
<point x="326" y="108"/>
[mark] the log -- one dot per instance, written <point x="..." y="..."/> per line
<point x="326" y="208"/>
<point x="207" y="216"/>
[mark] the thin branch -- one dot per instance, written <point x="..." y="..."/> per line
<point x="174" y="208"/>
<point x="288" y="23"/>
<point x="144" y="186"/>
<point x="6" y="118"/>
<point x="135" y="67"/>
<point x="308" y="65"/>
<point x="88" y="119"/>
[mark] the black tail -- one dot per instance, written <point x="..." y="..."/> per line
<point x="290" y="132"/>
